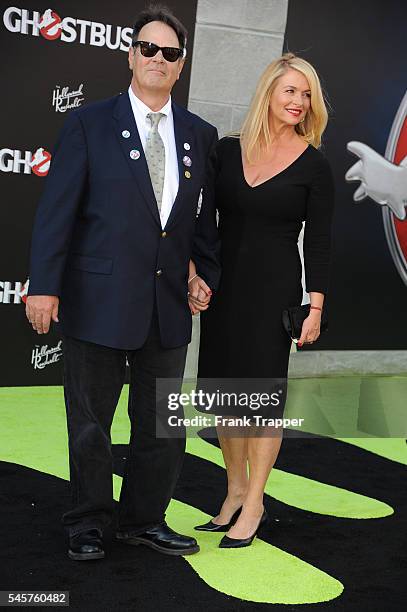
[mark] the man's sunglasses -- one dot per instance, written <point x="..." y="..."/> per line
<point x="149" y="49"/>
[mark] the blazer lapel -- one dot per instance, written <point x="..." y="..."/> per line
<point x="183" y="133"/>
<point x="131" y="144"/>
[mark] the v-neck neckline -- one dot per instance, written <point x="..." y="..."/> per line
<point x="274" y="175"/>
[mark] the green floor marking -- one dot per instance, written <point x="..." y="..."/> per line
<point x="304" y="493"/>
<point x="350" y="406"/>
<point x="261" y="573"/>
<point x="33" y="429"/>
<point x="394" y="449"/>
<point x="368" y="412"/>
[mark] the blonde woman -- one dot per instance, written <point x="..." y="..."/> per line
<point x="267" y="182"/>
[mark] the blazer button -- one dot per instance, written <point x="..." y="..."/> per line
<point x="164" y="234"/>
<point x="159" y="272"/>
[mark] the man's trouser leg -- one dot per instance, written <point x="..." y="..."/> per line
<point x="93" y="379"/>
<point x="153" y="463"/>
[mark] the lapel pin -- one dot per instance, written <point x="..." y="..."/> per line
<point x="134" y="154"/>
<point x="187" y="174"/>
<point x="187" y="161"/>
<point x="126" y="134"/>
<point x="187" y="146"/>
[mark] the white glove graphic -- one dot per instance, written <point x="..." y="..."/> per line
<point x="384" y="182"/>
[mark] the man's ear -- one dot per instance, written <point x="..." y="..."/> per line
<point x="131" y="57"/>
<point x="180" y="67"/>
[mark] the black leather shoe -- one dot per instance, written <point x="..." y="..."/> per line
<point x="227" y="542"/>
<point x="161" y="538"/>
<point x="211" y="526"/>
<point x="86" y="546"/>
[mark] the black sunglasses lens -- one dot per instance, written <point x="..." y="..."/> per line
<point x="148" y="49"/>
<point x="171" y="54"/>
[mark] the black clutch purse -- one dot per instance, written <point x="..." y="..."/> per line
<point x="294" y="317"/>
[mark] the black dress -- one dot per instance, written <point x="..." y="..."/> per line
<point x="242" y="333"/>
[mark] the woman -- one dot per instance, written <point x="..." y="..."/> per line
<point x="267" y="182"/>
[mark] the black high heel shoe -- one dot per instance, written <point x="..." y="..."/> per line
<point x="211" y="526"/>
<point x="227" y="542"/>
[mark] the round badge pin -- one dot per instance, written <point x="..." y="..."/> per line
<point x="187" y="174"/>
<point x="126" y="134"/>
<point x="187" y="161"/>
<point x="187" y="146"/>
<point x="134" y="154"/>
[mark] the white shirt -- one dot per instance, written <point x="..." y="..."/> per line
<point x="166" y="131"/>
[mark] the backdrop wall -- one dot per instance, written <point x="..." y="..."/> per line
<point x="359" y="51"/>
<point x="75" y="54"/>
<point x="359" y="48"/>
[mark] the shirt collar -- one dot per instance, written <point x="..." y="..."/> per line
<point x="144" y="109"/>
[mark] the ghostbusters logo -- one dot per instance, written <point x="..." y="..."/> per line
<point x="24" y="291"/>
<point x="40" y="162"/>
<point x="50" y="25"/>
<point x="384" y="180"/>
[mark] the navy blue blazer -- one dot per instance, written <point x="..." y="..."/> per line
<point x="97" y="240"/>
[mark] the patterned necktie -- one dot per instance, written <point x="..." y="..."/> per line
<point x="155" y="156"/>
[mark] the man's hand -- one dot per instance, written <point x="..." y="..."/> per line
<point x="40" y="309"/>
<point x="199" y="295"/>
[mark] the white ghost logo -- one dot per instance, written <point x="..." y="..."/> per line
<point x="47" y="19"/>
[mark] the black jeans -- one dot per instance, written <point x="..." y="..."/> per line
<point x="93" y="379"/>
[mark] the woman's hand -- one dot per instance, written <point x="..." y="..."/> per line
<point x="199" y="295"/>
<point x="310" y="328"/>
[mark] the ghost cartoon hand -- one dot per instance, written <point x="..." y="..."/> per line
<point x="384" y="182"/>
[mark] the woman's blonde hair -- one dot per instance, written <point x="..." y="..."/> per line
<point x="255" y="133"/>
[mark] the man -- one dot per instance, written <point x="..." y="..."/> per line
<point x="114" y="232"/>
